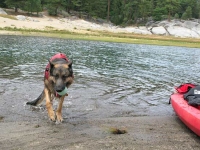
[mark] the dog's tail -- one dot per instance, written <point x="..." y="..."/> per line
<point x="37" y="101"/>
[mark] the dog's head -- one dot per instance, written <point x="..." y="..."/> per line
<point x="61" y="73"/>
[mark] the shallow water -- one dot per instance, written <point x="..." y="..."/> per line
<point x="111" y="79"/>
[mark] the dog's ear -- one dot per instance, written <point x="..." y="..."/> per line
<point x="70" y="68"/>
<point x="70" y="63"/>
<point x="51" y="67"/>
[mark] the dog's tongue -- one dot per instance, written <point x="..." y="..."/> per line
<point x="63" y="92"/>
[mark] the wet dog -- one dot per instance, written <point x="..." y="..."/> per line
<point x="58" y="77"/>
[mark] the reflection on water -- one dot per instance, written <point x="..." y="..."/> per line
<point x="111" y="79"/>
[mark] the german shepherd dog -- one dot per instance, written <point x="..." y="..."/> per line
<point x="58" y="76"/>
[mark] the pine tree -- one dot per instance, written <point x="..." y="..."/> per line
<point x="108" y="12"/>
<point x="2" y="3"/>
<point x="145" y="8"/>
<point x="188" y="12"/>
<point x="15" y="3"/>
<point x="171" y="6"/>
<point x="54" y="5"/>
<point x="116" y="15"/>
<point x="33" y="6"/>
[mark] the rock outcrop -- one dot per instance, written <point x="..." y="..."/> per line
<point x="176" y="28"/>
<point x="2" y="11"/>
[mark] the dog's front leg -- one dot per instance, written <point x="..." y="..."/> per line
<point x="59" y="110"/>
<point x="49" y="105"/>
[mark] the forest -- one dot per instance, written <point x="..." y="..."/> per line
<point x="119" y="12"/>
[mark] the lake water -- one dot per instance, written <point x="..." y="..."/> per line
<point x="111" y="79"/>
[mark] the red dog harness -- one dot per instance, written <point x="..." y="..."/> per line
<point x="47" y="73"/>
<point x="57" y="56"/>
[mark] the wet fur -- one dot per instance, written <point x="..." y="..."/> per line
<point x="61" y="76"/>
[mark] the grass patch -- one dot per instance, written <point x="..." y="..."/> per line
<point x="49" y="28"/>
<point x="8" y="16"/>
<point x="107" y="37"/>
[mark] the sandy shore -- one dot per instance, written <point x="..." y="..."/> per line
<point x="143" y="133"/>
<point x="71" y="24"/>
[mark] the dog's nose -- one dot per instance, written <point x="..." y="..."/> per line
<point x="60" y="88"/>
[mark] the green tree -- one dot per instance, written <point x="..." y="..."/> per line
<point x="188" y="12"/>
<point x="116" y="12"/>
<point x="76" y="3"/>
<point x="192" y="3"/>
<point x="108" y="12"/>
<point x="54" y="5"/>
<point x="198" y="8"/>
<point x="171" y="7"/>
<point x="2" y="4"/>
<point x="33" y="6"/>
<point x="15" y="3"/>
<point x="145" y="8"/>
<point x="97" y="8"/>
<point x="176" y="16"/>
<point x="130" y="11"/>
<point x="184" y="16"/>
<point x="158" y="13"/>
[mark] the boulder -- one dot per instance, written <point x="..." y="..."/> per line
<point x="182" y="32"/>
<point x="2" y="11"/>
<point x="163" y="23"/>
<point x="149" y="23"/>
<point x="196" y="29"/>
<point x="158" y="30"/>
<point x="142" y="28"/>
<point x="21" y="17"/>
<point x="190" y="24"/>
<point x="64" y="13"/>
<point x="137" y="30"/>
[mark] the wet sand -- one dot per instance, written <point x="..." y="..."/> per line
<point x="161" y="133"/>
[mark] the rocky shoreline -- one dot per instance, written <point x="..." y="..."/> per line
<point x="174" y="28"/>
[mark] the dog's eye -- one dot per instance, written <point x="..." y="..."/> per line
<point x="64" y="77"/>
<point x="56" y="76"/>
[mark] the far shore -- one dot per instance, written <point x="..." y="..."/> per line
<point x="79" y="29"/>
<point x="108" y="37"/>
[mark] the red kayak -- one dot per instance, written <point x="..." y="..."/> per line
<point x="190" y="115"/>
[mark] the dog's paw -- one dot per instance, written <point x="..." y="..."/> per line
<point x="52" y="116"/>
<point x="59" y="117"/>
